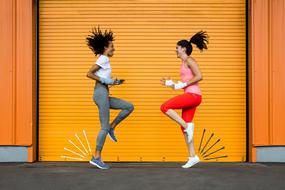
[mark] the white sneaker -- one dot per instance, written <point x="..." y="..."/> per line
<point x="189" y="130"/>
<point x="191" y="162"/>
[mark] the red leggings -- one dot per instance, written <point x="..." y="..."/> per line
<point x="187" y="102"/>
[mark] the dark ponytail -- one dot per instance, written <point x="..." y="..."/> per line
<point x="200" y="39"/>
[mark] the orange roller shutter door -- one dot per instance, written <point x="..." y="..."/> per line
<point x="146" y="32"/>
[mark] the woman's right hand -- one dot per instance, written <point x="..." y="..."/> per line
<point x="162" y="81"/>
<point x="119" y="81"/>
<point x="167" y="82"/>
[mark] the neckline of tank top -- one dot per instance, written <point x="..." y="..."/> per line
<point x="184" y="65"/>
<point x="104" y="56"/>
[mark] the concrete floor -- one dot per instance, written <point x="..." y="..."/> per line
<point x="136" y="176"/>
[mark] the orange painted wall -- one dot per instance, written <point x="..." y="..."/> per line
<point x="17" y="73"/>
<point x="267" y="72"/>
<point x="277" y="60"/>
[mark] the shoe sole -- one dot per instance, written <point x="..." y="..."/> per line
<point x="111" y="138"/>
<point x="190" y="166"/>
<point x="94" y="164"/>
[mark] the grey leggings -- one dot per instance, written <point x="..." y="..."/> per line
<point x="104" y="103"/>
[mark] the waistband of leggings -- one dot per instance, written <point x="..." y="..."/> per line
<point x="97" y="83"/>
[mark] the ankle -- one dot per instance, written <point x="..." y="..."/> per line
<point x="96" y="156"/>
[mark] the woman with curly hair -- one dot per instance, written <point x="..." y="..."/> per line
<point x="191" y="98"/>
<point x="101" y="43"/>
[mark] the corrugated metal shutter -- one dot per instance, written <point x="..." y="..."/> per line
<point x="146" y="33"/>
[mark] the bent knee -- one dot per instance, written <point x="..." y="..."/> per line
<point x="131" y="108"/>
<point x="164" y="108"/>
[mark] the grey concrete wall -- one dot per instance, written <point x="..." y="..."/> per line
<point x="13" y="154"/>
<point x="270" y="154"/>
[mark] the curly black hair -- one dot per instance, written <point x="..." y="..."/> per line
<point x="200" y="39"/>
<point x="98" y="40"/>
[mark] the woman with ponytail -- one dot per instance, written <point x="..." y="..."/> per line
<point x="191" y="98"/>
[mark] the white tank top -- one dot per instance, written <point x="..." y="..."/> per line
<point x="105" y="70"/>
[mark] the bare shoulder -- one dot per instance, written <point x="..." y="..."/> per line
<point x="191" y="61"/>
